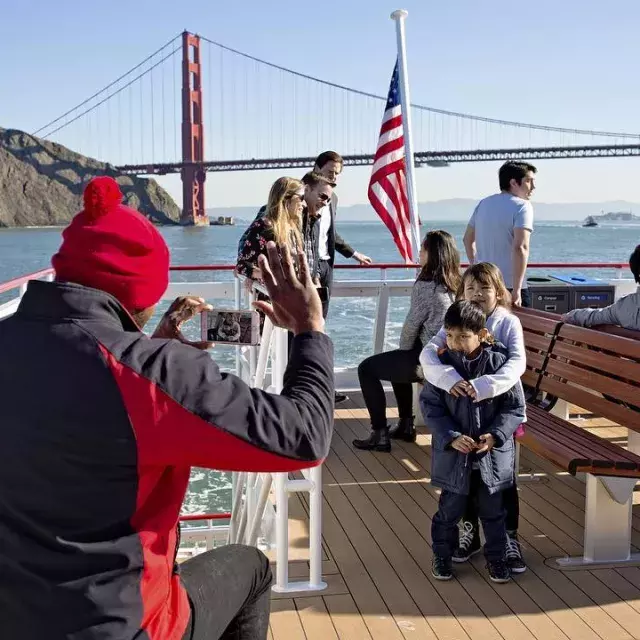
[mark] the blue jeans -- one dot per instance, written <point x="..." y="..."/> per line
<point x="451" y="508"/>
<point x="229" y="593"/>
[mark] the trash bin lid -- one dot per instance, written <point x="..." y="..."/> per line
<point x="577" y="279"/>
<point x="540" y="280"/>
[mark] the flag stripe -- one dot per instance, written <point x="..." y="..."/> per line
<point x="387" y="191"/>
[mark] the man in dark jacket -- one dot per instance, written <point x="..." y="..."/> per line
<point x="472" y="442"/>
<point x="330" y="164"/>
<point x="101" y="425"/>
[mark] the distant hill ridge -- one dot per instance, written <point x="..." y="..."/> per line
<point x="41" y="184"/>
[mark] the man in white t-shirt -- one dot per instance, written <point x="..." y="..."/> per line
<point x="500" y="228"/>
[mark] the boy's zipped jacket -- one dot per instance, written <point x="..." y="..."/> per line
<point x="449" y="417"/>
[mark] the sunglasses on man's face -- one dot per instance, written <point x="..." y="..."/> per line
<point x="324" y="197"/>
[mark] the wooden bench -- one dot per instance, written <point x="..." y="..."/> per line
<point x="599" y="372"/>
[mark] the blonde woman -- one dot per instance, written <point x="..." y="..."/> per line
<point x="280" y="221"/>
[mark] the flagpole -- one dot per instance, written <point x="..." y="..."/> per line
<point x="405" y="101"/>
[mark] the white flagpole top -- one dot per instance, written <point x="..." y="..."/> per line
<point x="399" y="14"/>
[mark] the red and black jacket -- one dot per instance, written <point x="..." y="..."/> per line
<point x="99" y="427"/>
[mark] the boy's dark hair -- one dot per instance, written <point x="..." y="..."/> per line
<point x="313" y="179"/>
<point x="511" y="170"/>
<point x="465" y="315"/>
<point x="634" y="264"/>
<point x="328" y="156"/>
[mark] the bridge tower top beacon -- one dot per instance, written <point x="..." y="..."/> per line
<point x="192" y="173"/>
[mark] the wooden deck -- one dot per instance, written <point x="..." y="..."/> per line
<point x="377" y="545"/>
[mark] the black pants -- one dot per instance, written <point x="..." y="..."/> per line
<point x="510" y="503"/>
<point x="444" y="526"/>
<point x="400" y="368"/>
<point x="525" y="296"/>
<point x="326" y="280"/>
<point x="229" y="593"/>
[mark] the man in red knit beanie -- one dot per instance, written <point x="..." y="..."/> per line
<point x="101" y="425"/>
<point x="113" y="248"/>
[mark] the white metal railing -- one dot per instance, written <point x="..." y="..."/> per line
<point x="254" y="520"/>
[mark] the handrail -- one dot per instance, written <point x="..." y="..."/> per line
<point x="17" y="282"/>
<point x="204" y="516"/>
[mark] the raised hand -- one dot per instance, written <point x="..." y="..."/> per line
<point x="182" y="309"/>
<point x="295" y="304"/>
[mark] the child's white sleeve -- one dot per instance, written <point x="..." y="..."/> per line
<point x="509" y="374"/>
<point x="439" y="375"/>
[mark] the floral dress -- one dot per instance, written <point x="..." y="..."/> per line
<point x="254" y="242"/>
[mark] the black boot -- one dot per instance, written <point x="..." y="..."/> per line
<point x="377" y="441"/>
<point x="404" y="430"/>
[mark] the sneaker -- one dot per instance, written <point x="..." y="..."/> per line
<point x="469" y="543"/>
<point x="441" y="568"/>
<point x="499" y="571"/>
<point x="514" y="554"/>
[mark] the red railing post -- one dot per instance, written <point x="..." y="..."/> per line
<point x="193" y="175"/>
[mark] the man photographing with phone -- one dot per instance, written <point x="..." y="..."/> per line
<point x="102" y="424"/>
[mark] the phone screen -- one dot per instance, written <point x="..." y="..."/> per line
<point x="231" y="326"/>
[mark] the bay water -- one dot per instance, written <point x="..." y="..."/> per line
<point x="351" y="320"/>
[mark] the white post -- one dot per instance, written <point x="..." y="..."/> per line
<point x="315" y="530"/>
<point x="405" y="100"/>
<point x="282" y="532"/>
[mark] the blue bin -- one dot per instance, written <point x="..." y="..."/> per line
<point x="577" y="279"/>
<point x="587" y="292"/>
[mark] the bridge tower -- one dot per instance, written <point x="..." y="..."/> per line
<point x="193" y="175"/>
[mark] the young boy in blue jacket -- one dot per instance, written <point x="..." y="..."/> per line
<point x="472" y="443"/>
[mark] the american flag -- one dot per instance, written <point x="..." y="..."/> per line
<point x="388" y="185"/>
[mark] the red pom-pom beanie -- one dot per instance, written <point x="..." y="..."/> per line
<point x="113" y="248"/>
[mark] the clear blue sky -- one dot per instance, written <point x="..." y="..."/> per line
<point x="548" y="62"/>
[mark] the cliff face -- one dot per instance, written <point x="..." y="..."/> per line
<point x="41" y="184"/>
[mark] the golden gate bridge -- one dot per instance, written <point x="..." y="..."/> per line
<point x="259" y="115"/>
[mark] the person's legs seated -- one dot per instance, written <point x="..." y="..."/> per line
<point x="376" y="403"/>
<point x="405" y="429"/>
<point x="492" y="517"/>
<point x="444" y="533"/>
<point x="229" y="593"/>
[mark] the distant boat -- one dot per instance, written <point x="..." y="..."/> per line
<point x="590" y="222"/>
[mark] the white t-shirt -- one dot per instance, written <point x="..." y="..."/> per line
<point x="494" y="220"/>
<point x="323" y="233"/>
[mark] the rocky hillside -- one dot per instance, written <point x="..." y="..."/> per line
<point x="41" y="184"/>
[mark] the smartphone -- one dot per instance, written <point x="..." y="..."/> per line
<point x="231" y="326"/>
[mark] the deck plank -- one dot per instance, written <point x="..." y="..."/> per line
<point x="346" y="618"/>
<point x="545" y="597"/>
<point x="540" y="625"/>
<point x="285" y="621"/>
<point x="377" y="511"/>
<point x="315" y="618"/>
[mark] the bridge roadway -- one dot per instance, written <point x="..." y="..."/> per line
<point x="423" y="158"/>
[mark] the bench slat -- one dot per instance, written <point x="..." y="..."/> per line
<point x="617" y="365"/>
<point x="594" y="381"/>
<point x="575" y="449"/>
<point x="587" y="442"/>
<point x="600" y="406"/>
<point x="617" y="344"/>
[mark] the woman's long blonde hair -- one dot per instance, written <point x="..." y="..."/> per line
<point x="284" y="224"/>
<point x="489" y="274"/>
